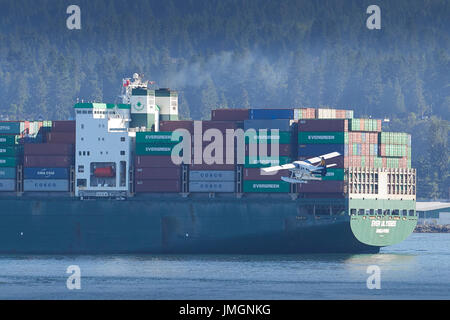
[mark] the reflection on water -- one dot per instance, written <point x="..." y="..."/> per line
<point x="385" y="260"/>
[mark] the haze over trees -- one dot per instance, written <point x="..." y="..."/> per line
<point x="237" y="53"/>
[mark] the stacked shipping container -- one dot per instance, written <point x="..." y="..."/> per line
<point x="216" y="173"/>
<point x="10" y="153"/>
<point x="302" y="133"/>
<point x="321" y="136"/>
<point x="254" y="180"/>
<point x="154" y="169"/>
<point x="47" y="163"/>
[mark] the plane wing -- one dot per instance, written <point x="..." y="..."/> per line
<point x="325" y="156"/>
<point x="276" y="168"/>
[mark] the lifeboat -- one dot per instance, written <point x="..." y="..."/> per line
<point x="105" y="172"/>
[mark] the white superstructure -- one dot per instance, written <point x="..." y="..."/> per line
<point x="103" y="149"/>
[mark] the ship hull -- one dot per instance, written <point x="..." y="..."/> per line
<point x="158" y="225"/>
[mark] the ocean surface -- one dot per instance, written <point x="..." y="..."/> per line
<point x="417" y="268"/>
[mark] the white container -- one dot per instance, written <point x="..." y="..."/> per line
<point x="211" y="175"/>
<point x="39" y="185"/>
<point x="212" y="186"/>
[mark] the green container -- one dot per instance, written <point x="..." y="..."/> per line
<point x="283" y="137"/>
<point x="8" y="140"/>
<point x="266" y="186"/>
<point x="143" y="149"/>
<point x="354" y="125"/>
<point x="8" y="173"/>
<point x="10" y="151"/>
<point x="321" y="137"/>
<point x="378" y="162"/>
<point x="334" y="174"/>
<point x="11" y="127"/>
<point x="256" y="162"/>
<point x="161" y="137"/>
<point x="8" y="162"/>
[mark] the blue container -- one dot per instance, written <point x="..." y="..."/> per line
<point x="8" y="173"/>
<point x="314" y="150"/>
<point x="46" y="173"/>
<point x="259" y="114"/>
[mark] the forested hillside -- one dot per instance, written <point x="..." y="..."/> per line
<point x="237" y="53"/>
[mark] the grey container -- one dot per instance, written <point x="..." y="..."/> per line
<point x="211" y="175"/>
<point x="45" y="185"/>
<point x="8" y="173"/>
<point x="280" y="124"/>
<point x="211" y="186"/>
<point x="7" y="184"/>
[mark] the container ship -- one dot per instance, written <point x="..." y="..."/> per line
<point x="107" y="182"/>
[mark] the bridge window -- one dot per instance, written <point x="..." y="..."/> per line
<point x="411" y="213"/>
<point x="372" y="212"/>
<point x="353" y="212"/>
<point x="395" y="212"/>
<point x="379" y="212"/>
<point x="387" y="212"/>
<point x="404" y="213"/>
<point x="361" y="212"/>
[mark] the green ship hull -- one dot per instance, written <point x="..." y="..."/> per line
<point x="164" y="223"/>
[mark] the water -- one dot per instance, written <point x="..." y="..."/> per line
<point x="418" y="268"/>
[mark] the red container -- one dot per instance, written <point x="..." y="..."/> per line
<point x="379" y="125"/>
<point x="354" y="161"/>
<point x="322" y="187"/>
<point x="63" y="126"/>
<point x="226" y="152"/>
<point x="323" y="125"/>
<point x="48" y="161"/>
<point x="220" y="125"/>
<point x="310" y="113"/>
<point x="179" y="124"/>
<point x="170" y="173"/>
<point x="340" y="114"/>
<point x="255" y="174"/>
<point x="285" y="150"/>
<point x="230" y="114"/>
<point x="382" y="150"/>
<point x="154" y="162"/>
<point x="355" y="137"/>
<point x="60" y="137"/>
<point x="157" y="186"/>
<point x="205" y="166"/>
<point x="49" y="149"/>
